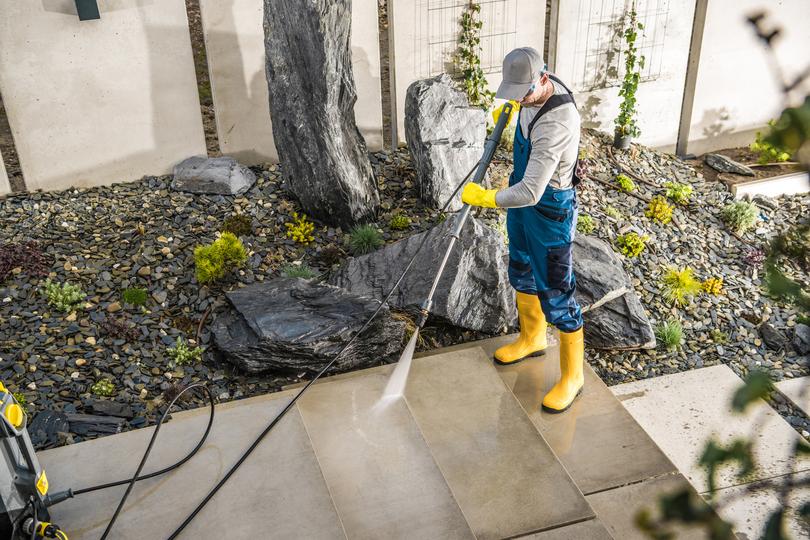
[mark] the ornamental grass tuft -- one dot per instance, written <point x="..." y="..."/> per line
<point x="670" y="334"/>
<point x="365" y="239"/>
<point x="679" y="285"/>
<point x="215" y="260"/>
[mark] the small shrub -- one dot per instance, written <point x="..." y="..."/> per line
<point x="181" y="353"/>
<point x="718" y="336"/>
<point x="680" y="193"/>
<point x="239" y="225"/>
<point x="613" y="212"/>
<point x="365" y="239"/>
<point x="298" y="270"/>
<point x="21" y="400"/>
<point x="300" y="229"/>
<point x="330" y="256"/>
<point x="625" y="183"/>
<point x="679" y="285"/>
<point x="399" y="222"/>
<point x="755" y="257"/>
<point x="64" y="297"/>
<point x="631" y="244"/>
<point x="670" y="334"/>
<point x="507" y="142"/>
<point x="119" y="328"/>
<point x="659" y="210"/>
<point x="135" y="296"/>
<point x="713" y="286"/>
<point x="218" y="258"/>
<point x="585" y="224"/>
<point x="740" y="216"/>
<point x="27" y="256"/>
<point x="103" y="387"/>
<point x="768" y="153"/>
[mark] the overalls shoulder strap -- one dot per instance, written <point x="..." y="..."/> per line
<point x="553" y="102"/>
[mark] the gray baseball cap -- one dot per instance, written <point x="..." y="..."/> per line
<point x="521" y="68"/>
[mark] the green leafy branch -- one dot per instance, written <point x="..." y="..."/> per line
<point x="468" y="58"/>
<point x="633" y="64"/>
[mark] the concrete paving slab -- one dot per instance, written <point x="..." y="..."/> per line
<point x="683" y="410"/>
<point x="379" y="470"/>
<point x="797" y="391"/>
<point x="597" y="440"/>
<point x="505" y="478"/>
<point x="280" y="481"/>
<point x="585" y="530"/>
<point x="749" y="510"/>
<point x="617" y="508"/>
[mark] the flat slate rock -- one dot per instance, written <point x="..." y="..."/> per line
<point x="218" y="175"/>
<point x="474" y="291"/>
<point x="725" y="164"/>
<point x="620" y="323"/>
<point x="298" y="324"/>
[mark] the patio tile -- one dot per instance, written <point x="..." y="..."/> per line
<point x="505" y="478"/>
<point x="584" y="530"/>
<point x="379" y="470"/>
<point x="798" y="391"/>
<point x="616" y="508"/>
<point x="682" y="411"/>
<point x="280" y="479"/>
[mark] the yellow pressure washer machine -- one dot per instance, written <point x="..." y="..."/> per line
<point x="24" y="498"/>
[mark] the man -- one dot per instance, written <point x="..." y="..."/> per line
<point x="541" y="219"/>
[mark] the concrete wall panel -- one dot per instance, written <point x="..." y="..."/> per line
<point x="736" y="91"/>
<point x="588" y="57"/>
<point x="234" y="40"/>
<point x="5" y="186"/>
<point x="96" y="102"/>
<point x="424" y="35"/>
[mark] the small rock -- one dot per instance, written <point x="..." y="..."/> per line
<point x="144" y="271"/>
<point x="80" y="362"/>
<point x="115" y="306"/>
<point x="801" y="339"/>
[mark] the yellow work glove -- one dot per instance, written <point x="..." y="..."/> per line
<point x="496" y="113"/>
<point x="475" y="195"/>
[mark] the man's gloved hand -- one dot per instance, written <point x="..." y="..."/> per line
<point x="475" y="195"/>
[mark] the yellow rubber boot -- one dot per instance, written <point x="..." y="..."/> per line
<point x="572" y="353"/>
<point x="532" y="338"/>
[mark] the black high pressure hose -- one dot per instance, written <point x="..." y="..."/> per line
<point x="136" y="477"/>
<point x="489" y="152"/>
<point x="295" y="398"/>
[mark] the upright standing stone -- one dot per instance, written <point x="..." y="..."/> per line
<point x="445" y="137"/>
<point x="312" y="95"/>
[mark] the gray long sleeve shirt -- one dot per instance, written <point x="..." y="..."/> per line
<point x="555" y="146"/>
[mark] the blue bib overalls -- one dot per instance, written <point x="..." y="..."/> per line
<point x="540" y="238"/>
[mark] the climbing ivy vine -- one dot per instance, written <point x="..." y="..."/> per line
<point x="633" y="64"/>
<point x="468" y="58"/>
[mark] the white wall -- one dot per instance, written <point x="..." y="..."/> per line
<point x="96" y="102"/>
<point x="736" y="92"/>
<point x="234" y="42"/>
<point x="5" y="187"/>
<point x="423" y="36"/>
<point x="583" y="61"/>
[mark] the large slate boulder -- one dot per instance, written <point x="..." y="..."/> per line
<point x="312" y="96"/>
<point x="219" y="175"/>
<point x="617" y="319"/>
<point x="298" y="324"/>
<point x="474" y="291"/>
<point x="445" y="137"/>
